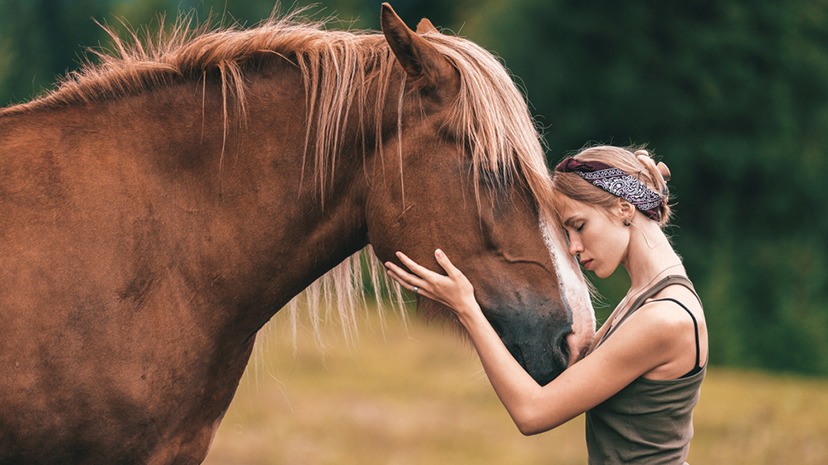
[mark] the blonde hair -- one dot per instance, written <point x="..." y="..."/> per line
<point x="635" y="161"/>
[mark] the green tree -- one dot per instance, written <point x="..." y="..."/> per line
<point x="40" y="39"/>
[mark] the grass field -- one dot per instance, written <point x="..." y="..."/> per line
<point x="416" y="394"/>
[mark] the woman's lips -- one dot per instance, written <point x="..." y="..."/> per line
<point x="586" y="264"/>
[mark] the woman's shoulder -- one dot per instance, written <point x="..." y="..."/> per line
<point x="669" y="307"/>
<point x="674" y="319"/>
<point x="662" y="319"/>
<point x="675" y="298"/>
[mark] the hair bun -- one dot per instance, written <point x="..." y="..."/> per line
<point x="645" y="158"/>
<point x="665" y="172"/>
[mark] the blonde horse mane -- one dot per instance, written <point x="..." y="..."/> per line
<point x="489" y="116"/>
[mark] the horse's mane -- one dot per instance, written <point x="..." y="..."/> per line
<point x="489" y="117"/>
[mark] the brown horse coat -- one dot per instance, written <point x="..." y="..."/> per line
<point x="158" y="210"/>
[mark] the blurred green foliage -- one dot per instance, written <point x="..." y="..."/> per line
<point x="731" y="94"/>
<point x="734" y="96"/>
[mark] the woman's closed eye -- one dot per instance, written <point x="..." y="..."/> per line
<point x="577" y="227"/>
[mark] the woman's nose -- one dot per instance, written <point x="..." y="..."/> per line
<point x="575" y="247"/>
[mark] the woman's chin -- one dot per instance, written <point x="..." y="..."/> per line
<point x="602" y="273"/>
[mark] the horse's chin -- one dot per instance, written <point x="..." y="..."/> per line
<point x="536" y="337"/>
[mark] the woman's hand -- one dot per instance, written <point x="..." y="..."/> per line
<point x="516" y="389"/>
<point x="454" y="291"/>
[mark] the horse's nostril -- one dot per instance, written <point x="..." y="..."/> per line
<point x="563" y="345"/>
<point x="578" y="348"/>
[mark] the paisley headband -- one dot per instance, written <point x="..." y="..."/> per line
<point x="616" y="182"/>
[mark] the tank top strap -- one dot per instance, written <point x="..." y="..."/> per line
<point x="666" y="282"/>
<point x="648" y="294"/>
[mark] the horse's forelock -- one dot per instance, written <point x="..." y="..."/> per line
<point x="492" y="115"/>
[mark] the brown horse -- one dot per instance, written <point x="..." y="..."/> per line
<point x="159" y="207"/>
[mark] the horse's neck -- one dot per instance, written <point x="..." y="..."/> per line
<point x="239" y="193"/>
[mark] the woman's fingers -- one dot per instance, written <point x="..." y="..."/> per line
<point x="422" y="288"/>
<point x="452" y="290"/>
<point x="424" y="279"/>
<point x="403" y="277"/>
<point x="459" y="280"/>
<point x="416" y="268"/>
<point x="444" y="261"/>
<point x="402" y="282"/>
<point x="396" y="269"/>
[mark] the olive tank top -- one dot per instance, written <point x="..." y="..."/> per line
<point x="649" y="421"/>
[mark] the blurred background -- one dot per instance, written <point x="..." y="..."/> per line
<point x="731" y="94"/>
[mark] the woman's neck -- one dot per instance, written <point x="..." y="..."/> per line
<point x="649" y="255"/>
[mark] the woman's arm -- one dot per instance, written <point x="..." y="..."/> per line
<point x="534" y="408"/>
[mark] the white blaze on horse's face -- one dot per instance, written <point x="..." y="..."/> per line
<point x="574" y="294"/>
<point x="488" y="152"/>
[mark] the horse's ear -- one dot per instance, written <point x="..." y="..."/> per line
<point x="426" y="26"/>
<point x="424" y="64"/>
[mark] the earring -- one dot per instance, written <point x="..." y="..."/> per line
<point x="626" y="221"/>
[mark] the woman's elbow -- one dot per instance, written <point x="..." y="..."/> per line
<point x="527" y="430"/>
<point x="529" y="424"/>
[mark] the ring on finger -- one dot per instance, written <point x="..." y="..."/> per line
<point x="415" y="289"/>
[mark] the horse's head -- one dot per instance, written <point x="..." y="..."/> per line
<point x="461" y="168"/>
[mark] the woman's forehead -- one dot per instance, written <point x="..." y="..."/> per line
<point x="571" y="210"/>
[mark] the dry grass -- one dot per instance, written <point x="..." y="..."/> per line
<point x="418" y="396"/>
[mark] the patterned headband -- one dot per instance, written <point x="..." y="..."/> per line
<point x="616" y="182"/>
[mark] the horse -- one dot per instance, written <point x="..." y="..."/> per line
<point x="162" y="204"/>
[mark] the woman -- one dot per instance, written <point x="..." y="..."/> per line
<point x="641" y="378"/>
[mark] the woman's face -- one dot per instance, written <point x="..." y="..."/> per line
<point x="596" y="235"/>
